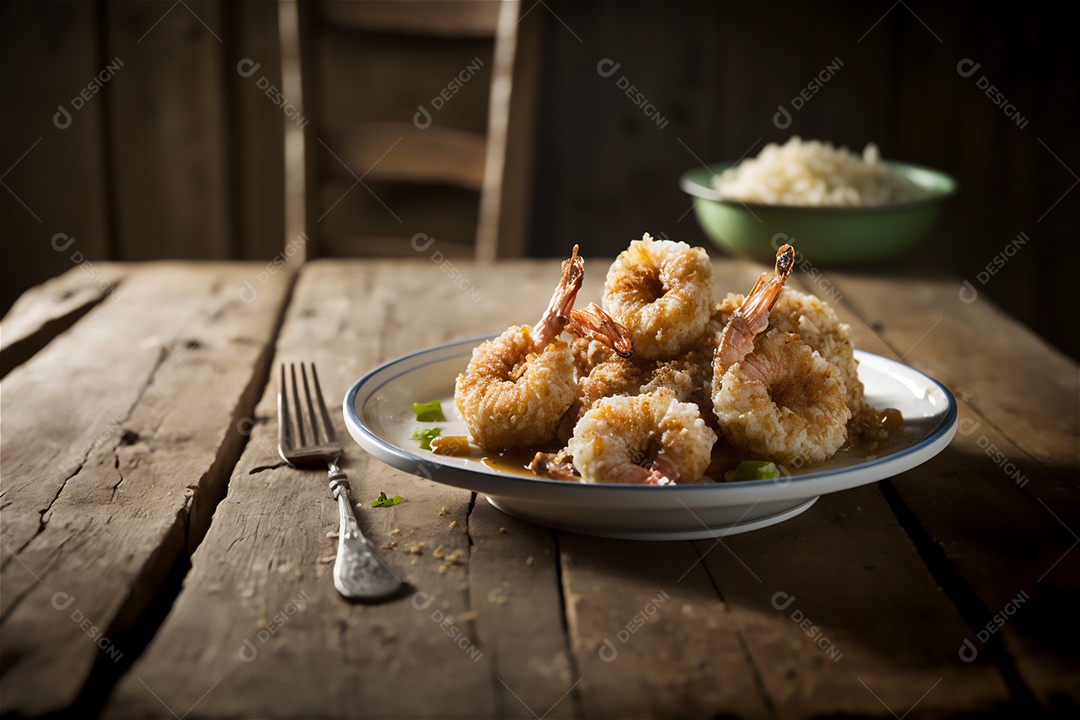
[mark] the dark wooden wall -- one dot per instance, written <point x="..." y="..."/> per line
<point x="178" y="155"/>
<point x="174" y="154"/>
<point x="717" y="71"/>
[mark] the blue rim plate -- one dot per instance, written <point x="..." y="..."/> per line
<point x="378" y="413"/>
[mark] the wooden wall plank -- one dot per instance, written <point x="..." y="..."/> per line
<point x="439" y="17"/>
<point x="605" y="170"/>
<point x="53" y="153"/>
<point x="725" y="68"/>
<point x="105" y="490"/>
<point x="168" y="116"/>
<point x="999" y="146"/>
<point x="257" y="128"/>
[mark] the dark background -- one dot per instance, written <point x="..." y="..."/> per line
<point x="180" y="156"/>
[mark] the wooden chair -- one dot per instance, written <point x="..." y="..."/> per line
<point x="416" y="115"/>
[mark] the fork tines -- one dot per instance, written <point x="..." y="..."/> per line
<point x="304" y="428"/>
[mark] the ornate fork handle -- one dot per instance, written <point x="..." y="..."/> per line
<point x="358" y="573"/>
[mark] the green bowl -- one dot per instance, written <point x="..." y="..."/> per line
<point x="837" y="235"/>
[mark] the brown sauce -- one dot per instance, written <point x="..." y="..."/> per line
<point x="514" y="462"/>
<point x="869" y="435"/>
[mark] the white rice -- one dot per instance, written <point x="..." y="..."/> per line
<point x="817" y="174"/>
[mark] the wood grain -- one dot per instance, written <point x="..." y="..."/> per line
<point x="859" y="616"/>
<point x="434" y="17"/>
<point x="268" y="544"/>
<point x="1012" y="372"/>
<point x="520" y="620"/>
<point x="55" y="143"/>
<point x="171" y="189"/>
<point x="46" y="310"/>
<point x="256" y="131"/>
<point x="651" y="636"/>
<point x="507" y="160"/>
<point x="871" y="603"/>
<point x="110" y="475"/>
<point x="401" y="151"/>
<point x="1013" y="460"/>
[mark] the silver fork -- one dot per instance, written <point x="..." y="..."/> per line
<point x="306" y="437"/>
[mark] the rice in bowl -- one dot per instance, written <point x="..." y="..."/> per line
<point x="816" y="174"/>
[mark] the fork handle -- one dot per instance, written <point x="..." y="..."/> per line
<point x="358" y="572"/>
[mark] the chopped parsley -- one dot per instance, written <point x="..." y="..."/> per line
<point x="383" y="501"/>
<point x="428" y="411"/>
<point x="425" y="436"/>
<point x="756" y="470"/>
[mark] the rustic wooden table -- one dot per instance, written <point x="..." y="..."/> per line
<point x="158" y="560"/>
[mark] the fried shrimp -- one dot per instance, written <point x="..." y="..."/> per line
<point x="517" y="386"/>
<point x="661" y="291"/>
<point x="817" y="325"/>
<point x="595" y="324"/>
<point x="774" y="396"/>
<point x="685" y="376"/>
<point x="752" y="316"/>
<point x="783" y="402"/>
<point x="651" y="439"/>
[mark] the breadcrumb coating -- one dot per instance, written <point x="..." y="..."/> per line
<point x="651" y="438"/>
<point x="661" y="291"/>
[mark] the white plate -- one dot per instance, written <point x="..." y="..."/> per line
<point x="379" y="414"/>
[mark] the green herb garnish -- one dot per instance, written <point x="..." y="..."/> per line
<point x="425" y="436"/>
<point x="756" y="470"/>
<point x="383" y="501"/>
<point x="429" y="411"/>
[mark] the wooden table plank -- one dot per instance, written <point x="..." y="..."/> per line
<point x="1010" y="376"/>
<point x="117" y="441"/>
<point x="342" y="659"/>
<point x="498" y="634"/>
<point x="650" y="634"/>
<point x="739" y="653"/>
<point x="841" y="616"/>
<point x="520" y="620"/>
<point x="996" y="514"/>
<point x="45" y="311"/>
